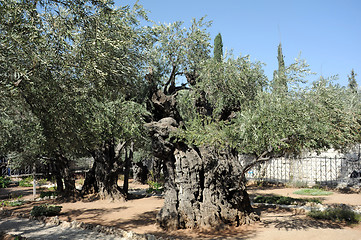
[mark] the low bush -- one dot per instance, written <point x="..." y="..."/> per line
<point x="12" y="203"/>
<point x="45" y="210"/>
<point x="42" y="181"/>
<point x="284" y="200"/>
<point x="26" y="182"/>
<point x="339" y="213"/>
<point x="4" y="182"/>
<point x="155" y="187"/>
<point x="48" y="194"/>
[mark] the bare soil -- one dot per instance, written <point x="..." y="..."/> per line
<point x="138" y="214"/>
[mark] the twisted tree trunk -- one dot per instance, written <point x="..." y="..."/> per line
<point x="103" y="177"/>
<point x="63" y="168"/>
<point x="204" y="187"/>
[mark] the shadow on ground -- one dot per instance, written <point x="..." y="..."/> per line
<point x="300" y="224"/>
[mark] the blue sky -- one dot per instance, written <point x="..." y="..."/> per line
<point x="327" y="33"/>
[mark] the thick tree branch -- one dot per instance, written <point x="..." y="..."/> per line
<point x="261" y="158"/>
<point x="171" y="81"/>
<point x="118" y="150"/>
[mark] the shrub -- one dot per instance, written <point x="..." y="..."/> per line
<point x="4" y="182"/>
<point x="42" y="181"/>
<point x="26" y="182"/>
<point x="340" y="213"/>
<point x="12" y="203"/>
<point x="284" y="200"/>
<point x="48" y="194"/>
<point x="45" y="210"/>
<point x="155" y="187"/>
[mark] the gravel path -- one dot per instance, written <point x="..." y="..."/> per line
<point x="36" y="230"/>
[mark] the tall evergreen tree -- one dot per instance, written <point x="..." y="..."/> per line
<point x="218" y="48"/>
<point x="279" y="76"/>
<point x="352" y="84"/>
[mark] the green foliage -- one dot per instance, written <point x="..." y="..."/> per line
<point x="42" y="181"/>
<point x="279" y="77"/>
<point x="5" y="203"/>
<point x="154" y="187"/>
<point x="26" y="182"/>
<point x="316" y="118"/>
<point x="231" y="85"/>
<point x="339" y="213"/>
<point x="312" y="192"/>
<point x="218" y="48"/>
<point x="179" y="51"/>
<point x="45" y="210"/>
<point x="4" y="182"/>
<point x="13" y="202"/>
<point x="48" y="194"/>
<point x="284" y="200"/>
<point x="72" y="77"/>
<point x="352" y="84"/>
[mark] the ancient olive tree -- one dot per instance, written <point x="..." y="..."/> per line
<point x="203" y="187"/>
<point x="28" y="59"/>
<point x="110" y="50"/>
<point x="77" y="68"/>
<point x="227" y="109"/>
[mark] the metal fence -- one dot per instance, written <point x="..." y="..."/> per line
<point x="6" y="168"/>
<point x="329" y="171"/>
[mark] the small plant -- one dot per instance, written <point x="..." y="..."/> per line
<point x="42" y="181"/>
<point x="312" y="192"/>
<point x="4" y="182"/>
<point x="339" y="213"/>
<point x="155" y="187"/>
<point x="284" y="200"/>
<point x="26" y="182"/>
<point x="12" y="203"/>
<point x="48" y="194"/>
<point x="45" y="210"/>
<point x="16" y="203"/>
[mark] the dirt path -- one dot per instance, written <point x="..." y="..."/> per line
<point x="139" y="214"/>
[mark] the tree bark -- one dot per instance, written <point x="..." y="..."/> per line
<point x="103" y="177"/>
<point x="65" y="173"/>
<point x="128" y="160"/>
<point x="205" y="186"/>
<point x="140" y="173"/>
<point x="204" y="190"/>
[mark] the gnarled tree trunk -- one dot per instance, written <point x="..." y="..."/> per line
<point x="209" y="191"/>
<point x="64" y="172"/>
<point x="103" y="177"/>
<point x="204" y="187"/>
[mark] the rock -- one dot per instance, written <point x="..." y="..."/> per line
<point x="65" y="224"/>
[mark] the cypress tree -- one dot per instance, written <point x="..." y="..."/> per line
<point x="279" y="76"/>
<point x="352" y="84"/>
<point x="218" y="48"/>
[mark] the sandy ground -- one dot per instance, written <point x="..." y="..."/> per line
<point x="138" y="215"/>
